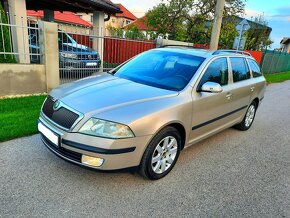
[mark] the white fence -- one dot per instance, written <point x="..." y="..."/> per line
<point x="19" y="43"/>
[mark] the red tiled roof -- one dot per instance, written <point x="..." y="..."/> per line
<point x="141" y="24"/>
<point x="66" y="16"/>
<point x="125" y="13"/>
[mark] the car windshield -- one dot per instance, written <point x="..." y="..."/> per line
<point x="162" y="69"/>
<point x="65" y="38"/>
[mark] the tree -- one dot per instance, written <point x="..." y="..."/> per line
<point x="258" y="35"/>
<point x="115" y="31"/>
<point x="132" y="32"/>
<point x="187" y="20"/>
<point x="5" y="45"/>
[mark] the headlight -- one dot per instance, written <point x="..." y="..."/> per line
<point x="68" y="55"/>
<point x="107" y="129"/>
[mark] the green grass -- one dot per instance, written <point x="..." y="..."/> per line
<point x="18" y="116"/>
<point x="277" y="77"/>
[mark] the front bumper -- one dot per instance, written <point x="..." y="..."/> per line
<point x="117" y="154"/>
<point x="71" y="64"/>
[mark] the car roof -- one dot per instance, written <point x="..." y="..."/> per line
<point x="188" y="50"/>
<point x="202" y="52"/>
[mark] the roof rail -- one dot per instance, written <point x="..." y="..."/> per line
<point x="231" y="51"/>
<point x="187" y="46"/>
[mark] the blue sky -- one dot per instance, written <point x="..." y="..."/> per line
<point x="276" y="12"/>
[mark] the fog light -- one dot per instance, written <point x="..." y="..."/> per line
<point x="92" y="161"/>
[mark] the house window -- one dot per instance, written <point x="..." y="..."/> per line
<point x="92" y="18"/>
<point x="81" y="16"/>
<point x="113" y="20"/>
<point x="127" y="22"/>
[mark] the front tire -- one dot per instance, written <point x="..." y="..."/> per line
<point x="248" y="118"/>
<point x="161" y="154"/>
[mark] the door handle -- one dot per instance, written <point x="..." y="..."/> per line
<point x="229" y="95"/>
<point x="252" y="89"/>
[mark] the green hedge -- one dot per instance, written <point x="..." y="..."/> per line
<point x="4" y="31"/>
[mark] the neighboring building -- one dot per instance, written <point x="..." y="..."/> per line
<point x="253" y="24"/>
<point x="121" y="19"/>
<point x="68" y="21"/>
<point x="285" y="44"/>
<point x="141" y="25"/>
<point x="118" y="20"/>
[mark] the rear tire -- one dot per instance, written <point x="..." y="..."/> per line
<point x="248" y="118"/>
<point x="161" y="154"/>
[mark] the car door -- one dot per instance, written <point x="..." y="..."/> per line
<point x="258" y="81"/>
<point x="242" y="87"/>
<point x="211" y="111"/>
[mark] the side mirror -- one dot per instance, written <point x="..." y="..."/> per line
<point x="211" y="87"/>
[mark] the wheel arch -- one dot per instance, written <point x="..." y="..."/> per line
<point x="257" y="101"/>
<point x="180" y="128"/>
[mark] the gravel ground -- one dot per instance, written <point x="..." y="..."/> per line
<point x="232" y="174"/>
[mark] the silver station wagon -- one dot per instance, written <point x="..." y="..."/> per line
<point x="143" y="113"/>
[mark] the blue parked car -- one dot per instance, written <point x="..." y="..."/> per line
<point x="73" y="57"/>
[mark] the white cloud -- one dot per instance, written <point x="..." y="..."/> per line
<point x="252" y="13"/>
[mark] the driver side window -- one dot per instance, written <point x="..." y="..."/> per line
<point x="217" y="72"/>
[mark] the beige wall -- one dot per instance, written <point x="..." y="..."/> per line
<point x="86" y="17"/>
<point x="19" y="79"/>
<point x="68" y="28"/>
<point x="118" y="22"/>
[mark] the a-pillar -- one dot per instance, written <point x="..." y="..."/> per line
<point x="98" y="32"/>
<point x="17" y="11"/>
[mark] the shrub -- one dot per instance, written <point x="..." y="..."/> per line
<point x="5" y="36"/>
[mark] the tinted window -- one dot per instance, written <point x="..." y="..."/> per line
<point x="217" y="72"/>
<point x="240" y="69"/>
<point x="161" y="68"/>
<point x="255" y="68"/>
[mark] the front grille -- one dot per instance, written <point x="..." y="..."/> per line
<point x="62" y="116"/>
<point x="64" y="152"/>
<point x="88" y="57"/>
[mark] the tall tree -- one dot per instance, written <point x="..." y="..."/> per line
<point x="186" y="19"/>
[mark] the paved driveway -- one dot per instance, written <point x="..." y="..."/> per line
<point x="231" y="174"/>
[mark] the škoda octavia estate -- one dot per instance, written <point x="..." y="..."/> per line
<point x="143" y="113"/>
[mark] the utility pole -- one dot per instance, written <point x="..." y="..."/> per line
<point x="216" y="29"/>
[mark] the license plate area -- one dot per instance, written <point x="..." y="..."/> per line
<point x="91" y="64"/>
<point x="49" y="134"/>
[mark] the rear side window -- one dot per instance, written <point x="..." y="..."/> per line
<point x="240" y="69"/>
<point x="217" y="71"/>
<point x="255" y="68"/>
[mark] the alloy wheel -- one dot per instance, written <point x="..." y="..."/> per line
<point x="164" y="154"/>
<point x="250" y="115"/>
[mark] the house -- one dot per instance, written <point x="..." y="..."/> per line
<point x="285" y="44"/>
<point x="142" y="25"/>
<point x="118" y="20"/>
<point x="64" y="19"/>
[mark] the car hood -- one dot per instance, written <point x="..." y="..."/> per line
<point x="105" y="92"/>
<point x="74" y="47"/>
